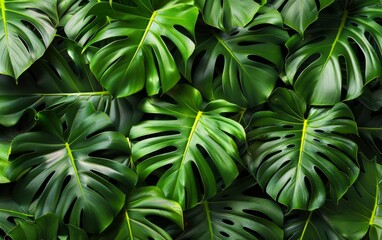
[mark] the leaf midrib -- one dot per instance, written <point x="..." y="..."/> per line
<point x="152" y="18"/>
<point x="2" y="6"/>
<point x="301" y="150"/>
<point x="73" y="164"/>
<point x="374" y="212"/>
<point x="221" y="41"/>
<point x="306" y="225"/>
<point x="190" y="135"/>
<point x="129" y="224"/>
<point x="334" y="44"/>
<point x="208" y="217"/>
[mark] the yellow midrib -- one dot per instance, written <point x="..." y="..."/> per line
<point x="129" y="224"/>
<point x="374" y="212"/>
<point x="194" y="125"/>
<point x="341" y="27"/>
<point x="2" y="6"/>
<point x="152" y="18"/>
<point x="72" y="162"/>
<point x="302" y="145"/>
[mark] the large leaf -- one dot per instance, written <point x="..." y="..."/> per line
<point x="331" y="64"/>
<point x="228" y="14"/>
<point x="62" y="76"/>
<point x="235" y="213"/>
<point x="68" y="168"/>
<point x="299" y="14"/>
<point x="31" y="230"/>
<point x="138" y="54"/>
<point x="252" y="59"/>
<point x="136" y="220"/>
<point x="370" y="131"/>
<point x="193" y="145"/>
<point x="297" y="151"/>
<point x="359" y="211"/>
<point x="10" y="211"/>
<point x="26" y="30"/>
<point x="310" y="225"/>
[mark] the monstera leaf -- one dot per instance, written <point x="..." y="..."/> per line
<point x="310" y="225"/>
<point x="68" y="168"/>
<point x="336" y="61"/>
<point x="252" y="57"/>
<point x="228" y="14"/>
<point x="194" y="145"/>
<point x="370" y="131"/>
<point x="31" y="230"/>
<point x="10" y="211"/>
<point x="359" y="212"/>
<point x="26" y="30"/>
<point x="62" y="76"/>
<point x="139" y="53"/>
<point x="299" y="14"/>
<point x="235" y="213"/>
<point x="297" y="151"/>
<point x="135" y="222"/>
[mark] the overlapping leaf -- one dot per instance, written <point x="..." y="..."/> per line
<point x="136" y="219"/>
<point x="310" y="225"/>
<point x="69" y="169"/>
<point x="26" y="30"/>
<point x="235" y="213"/>
<point x="359" y="211"/>
<point x="194" y="146"/>
<point x="10" y="211"/>
<point x="297" y="151"/>
<point x="251" y="60"/>
<point x="139" y="53"/>
<point x="228" y="14"/>
<point x="62" y="76"/>
<point x="299" y="14"/>
<point x="333" y="64"/>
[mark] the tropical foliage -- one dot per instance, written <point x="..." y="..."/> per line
<point x="190" y="119"/>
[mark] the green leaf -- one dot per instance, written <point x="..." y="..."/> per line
<point x="193" y="145"/>
<point x="26" y="30"/>
<point x="138" y="55"/>
<point x="62" y="76"/>
<point x="252" y="59"/>
<point x="297" y="151"/>
<point x="80" y="24"/>
<point x="359" y="211"/>
<point x="370" y="131"/>
<point x="299" y="14"/>
<point x="309" y="225"/>
<point x="31" y="230"/>
<point x="234" y="213"/>
<point x="11" y="210"/>
<point x="68" y="168"/>
<point x="334" y="64"/>
<point x="136" y="220"/>
<point x="228" y="14"/>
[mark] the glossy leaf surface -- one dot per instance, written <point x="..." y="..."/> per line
<point x="26" y="30"/>
<point x="138" y="56"/>
<point x="251" y="60"/>
<point x="299" y="14"/>
<point x="359" y="212"/>
<point x="71" y="171"/>
<point x="297" y="150"/>
<point x="195" y="144"/>
<point x="341" y="60"/>
<point x="235" y="213"/>
<point x="141" y="206"/>
<point x="228" y="14"/>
